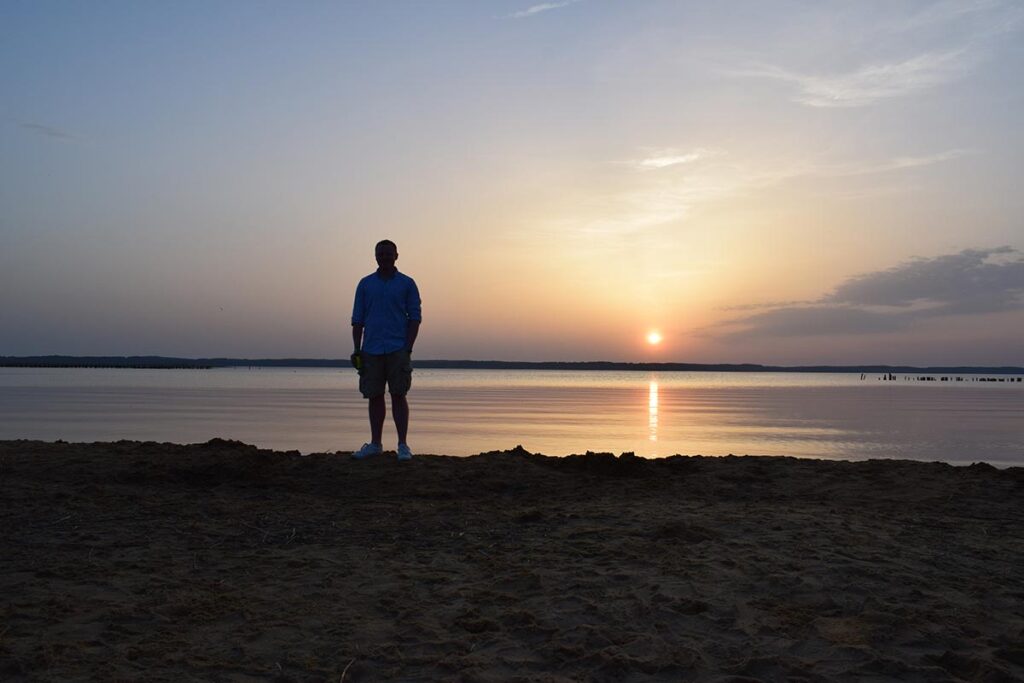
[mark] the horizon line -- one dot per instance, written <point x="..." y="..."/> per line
<point x="440" y="363"/>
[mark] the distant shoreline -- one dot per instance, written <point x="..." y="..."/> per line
<point x="170" y="363"/>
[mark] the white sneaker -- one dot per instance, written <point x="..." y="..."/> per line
<point x="367" y="450"/>
<point x="404" y="453"/>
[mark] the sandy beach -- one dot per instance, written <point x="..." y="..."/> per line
<point x="219" y="561"/>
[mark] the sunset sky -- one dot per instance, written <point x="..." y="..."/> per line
<point x="767" y="182"/>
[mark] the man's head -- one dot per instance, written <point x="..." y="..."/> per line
<point x="386" y="253"/>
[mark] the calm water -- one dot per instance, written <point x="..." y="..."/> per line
<point x="461" y="412"/>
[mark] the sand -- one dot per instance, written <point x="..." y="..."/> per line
<point x="219" y="561"/>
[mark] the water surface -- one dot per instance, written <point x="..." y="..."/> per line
<point x="461" y="412"/>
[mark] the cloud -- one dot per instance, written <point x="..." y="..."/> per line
<point x="670" y="157"/>
<point x="47" y="131"/>
<point x="656" y="199"/>
<point x="815" y="320"/>
<point x="667" y="184"/>
<point x="688" y="183"/>
<point x="971" y="282"/>
<point x="894" y="164"/>
<point x="968" y="282"/>
<point x="665" y="161"/>
<point x="869" y="83"/>
<point x="543" y="7"/>
<point x="998" y="16"/>
<point x="938" y="44"/>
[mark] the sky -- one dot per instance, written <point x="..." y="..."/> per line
<point x="757" y="181"/>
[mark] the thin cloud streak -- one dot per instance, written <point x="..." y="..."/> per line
<point x="664" y="162"/>
<point x="896" y="163"/>
<point x="993" y="17"/>
<point x="671" y="157"/>
<point x="543" y="7"/>
<point x="47" y="131"/>
<point x="978" y="25"/>
<point x="674" y="183"/>
<point x="870" y="83"/>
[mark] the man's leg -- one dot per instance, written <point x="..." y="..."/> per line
<point x="378" y="411"/>
<point x="400" y="411"/>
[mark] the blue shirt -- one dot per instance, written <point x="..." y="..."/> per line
<point x="384" y="306"/>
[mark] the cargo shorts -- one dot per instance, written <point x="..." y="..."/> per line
<point x="393" y="369"/>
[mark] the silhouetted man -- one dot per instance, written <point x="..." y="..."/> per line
<point x="385" y="321"/>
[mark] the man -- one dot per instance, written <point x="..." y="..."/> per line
<point x="385" y="321"/>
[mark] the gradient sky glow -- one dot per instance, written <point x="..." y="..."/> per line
<point x="768" y="182"/>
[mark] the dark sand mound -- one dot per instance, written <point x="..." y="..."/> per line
<point x="223" y="562"/>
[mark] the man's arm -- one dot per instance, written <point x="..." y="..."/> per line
<point x="415" y="312"/>
<point x="358" y="318"/>
<point x="357" y="336"/>
<point x="410" y="334"/>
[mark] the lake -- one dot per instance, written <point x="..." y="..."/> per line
<point x="462" y="412"/>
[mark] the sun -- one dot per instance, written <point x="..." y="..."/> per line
<point x="654" y="337"/>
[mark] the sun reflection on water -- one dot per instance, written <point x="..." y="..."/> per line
<point x="652" y="411"/>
